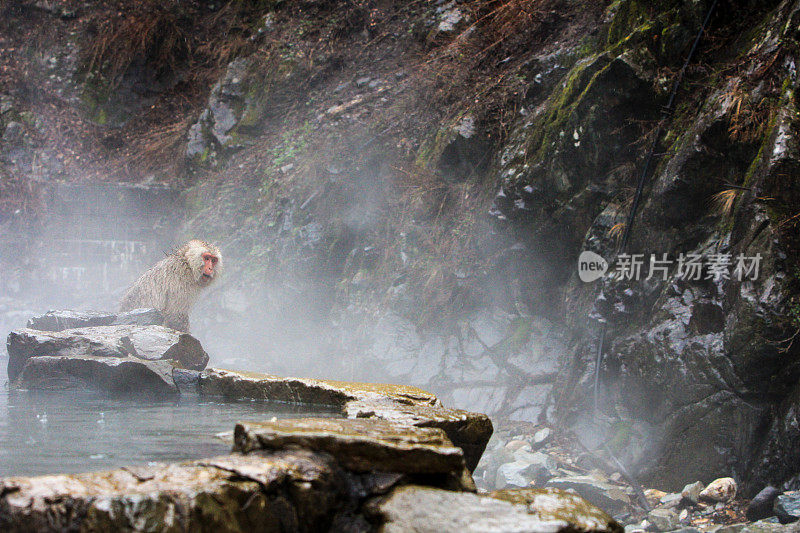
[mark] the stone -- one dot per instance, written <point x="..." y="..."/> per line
<point x="516" y="444"/>
<point x="663" y="519"/>
<point x="770" y="525"/>
<point x="731" y="528"/>
<point x="449" y="20"/>
<point x="511" y="475"/>
<point x="536" y="458"/>
<point x="425" y="509"/>
<point x="670" y="501"/>
<point x="397" y="403"/>
<point x="119" y="375"/>
<point x="68" y="319"/>
<point x="13" y="134"/>
<point x="71" y="319"/>
<point x="286" y="491"/>
<point x="556" y="504"/>
<point x="654" y="495"/>
<point x="538" y="467"/>
<point x="634" y="528"/>
<point x="720" y="490"/>
<point x="528" y="469"/>
<point x="141" y="342"/>
<point x="542" y="437"/>
<point x="604" y="495"/>
<point x="186" y="380"/>
<point x="691" y="492"/>
<point x="139" y="317"/>
<point x="761" y="504"/>
<point x="787" y="507"/>
<point x="362" y="445"/>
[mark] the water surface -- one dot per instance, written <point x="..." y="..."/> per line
<point x="46" y="432"/>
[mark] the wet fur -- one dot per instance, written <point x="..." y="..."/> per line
<point x="173" y="285"/>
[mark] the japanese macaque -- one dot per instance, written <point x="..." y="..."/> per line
<point x="173" y="285"/>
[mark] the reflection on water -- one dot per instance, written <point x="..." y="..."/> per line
<point x="43" y="432"/>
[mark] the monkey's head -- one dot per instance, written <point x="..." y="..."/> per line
<point x="204" y="260"/>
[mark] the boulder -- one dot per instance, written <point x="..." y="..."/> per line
<point x="415" y="508"/>
<point x="289" y="491"/>
<point x="71" y="319"/>
<point x="762" y="526"/>
<point x="720" y="490"/>
<point x="787" y="507"/>
<point x="527" y="467"/>
<point x="604" y="495"/>
<point x="396" y="403"/>
<point x="555" y="504"/>
<point x="691" y="492"/>
<point x="663" y="519"/>
<point x="761" y="505"/>
<point x="363" y="445"/>
<point x="127" y="375"/>
<point x="513" y="475"/>
<point x="138" y="342"/>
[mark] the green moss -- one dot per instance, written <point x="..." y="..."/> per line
<point x="101" y="117"/>
<point x="562" y="104"/>
<point x="432" y="148"/>
<point x="557" y="504"/>
<point x="629" y="14"/>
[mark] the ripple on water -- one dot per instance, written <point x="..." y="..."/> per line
<point x="45" y="432"/>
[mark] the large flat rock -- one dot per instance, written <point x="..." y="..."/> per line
<point x="127" y="375"/>
<point x="362" y="445"/>
<point x="60" y="320"/>
<point x="394" y="403"/>
<point x="430" y="510"/>
<point x="290" y="491"/>
<point x="125" y="341"/>
<point x="556" y="504"/>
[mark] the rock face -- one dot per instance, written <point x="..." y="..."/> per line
<point x="698" y="364"/>
<point x="119" y="348"/>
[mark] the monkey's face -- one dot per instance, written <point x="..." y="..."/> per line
<point x="204" y="260"/>
<point x="209" y="265"/>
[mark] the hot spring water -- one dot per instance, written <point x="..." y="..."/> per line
<point x="47" y="432"/>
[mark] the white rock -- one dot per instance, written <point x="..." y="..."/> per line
<point x="541" y="436"/>
<point x="720" y="490"/>
<point x="691" y="492"/>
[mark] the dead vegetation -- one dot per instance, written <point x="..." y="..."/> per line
<point x="167" y="38"/>
<point x="481" y="70"/>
